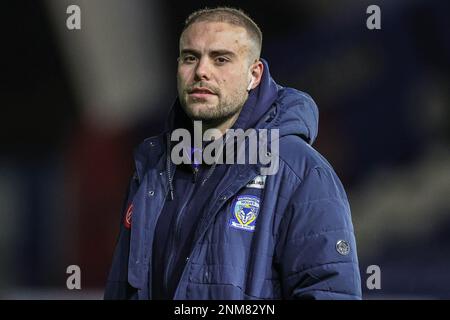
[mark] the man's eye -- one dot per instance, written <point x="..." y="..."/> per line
<point x="221" y="60"/>
<point x="189" y="59"/>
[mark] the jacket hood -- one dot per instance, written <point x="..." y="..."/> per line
<point x="295" y="112"/>
<point x="259" y="101"/>
<point x="298" y="115"/>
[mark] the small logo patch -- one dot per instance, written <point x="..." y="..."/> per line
<point x="343" y="247"/>
<point x="244" y="211"/>
<point x="127" y="218"/>
<point x="257" y="183"/>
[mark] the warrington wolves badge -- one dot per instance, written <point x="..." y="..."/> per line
<point x="245" y="211"/>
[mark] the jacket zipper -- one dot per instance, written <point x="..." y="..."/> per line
<point x="175" y="239"/>
<point x="169" y="165"/>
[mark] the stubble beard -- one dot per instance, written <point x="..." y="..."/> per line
<point x="213" y="114"/>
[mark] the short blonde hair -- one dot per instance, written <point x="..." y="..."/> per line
<point x="232" y="16"/>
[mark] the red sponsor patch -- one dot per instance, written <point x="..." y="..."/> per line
<point x="127" y="219"/>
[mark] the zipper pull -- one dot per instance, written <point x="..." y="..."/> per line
<point x="195" y="174"/>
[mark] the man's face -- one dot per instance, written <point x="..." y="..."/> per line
<point x="213" y="70"/>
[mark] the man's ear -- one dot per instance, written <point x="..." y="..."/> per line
<point x="256" y="74"/>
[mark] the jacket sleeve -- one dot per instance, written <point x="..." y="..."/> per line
<point x="316" y="251"/>
<point x="117" y="286"/>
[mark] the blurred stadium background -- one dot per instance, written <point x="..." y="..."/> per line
<point x="75" y="103"/>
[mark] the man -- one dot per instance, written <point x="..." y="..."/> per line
<point x="226" y="231"/>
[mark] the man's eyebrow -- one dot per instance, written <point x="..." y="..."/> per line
<point x="190" y="51"/>
<point x="214" y="53"/>
<point x="222" y="52"/>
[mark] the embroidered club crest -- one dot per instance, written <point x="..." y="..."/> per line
<point x="244" y="213"/>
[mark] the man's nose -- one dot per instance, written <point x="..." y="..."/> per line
<point x="203" y="70"/>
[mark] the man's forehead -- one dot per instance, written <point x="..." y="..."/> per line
<point x="214" y="34"/>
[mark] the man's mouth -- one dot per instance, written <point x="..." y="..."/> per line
<point x="200" y="92"/>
